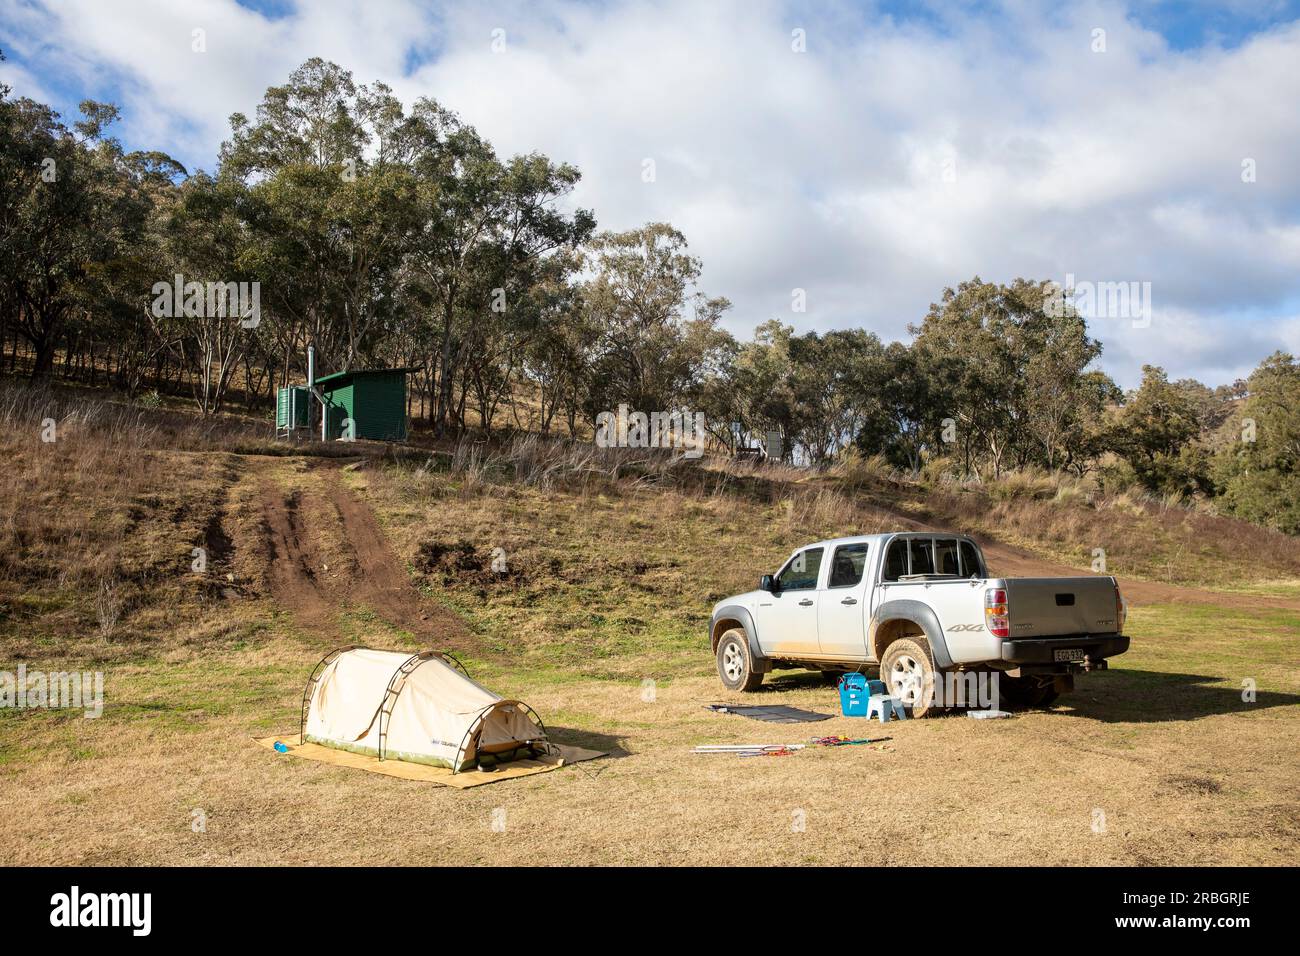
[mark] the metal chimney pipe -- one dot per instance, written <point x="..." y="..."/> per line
<point x="311" y="387"/>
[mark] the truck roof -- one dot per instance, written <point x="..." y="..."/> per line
<point x="881" y="536"/>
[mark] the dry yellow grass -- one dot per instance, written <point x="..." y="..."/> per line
<point x="948" y="791"/>
<point x="609" y="587"/>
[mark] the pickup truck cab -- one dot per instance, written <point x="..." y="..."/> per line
<point x="917" y="605"/>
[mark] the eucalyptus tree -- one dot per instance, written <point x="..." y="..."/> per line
<point x="485" y="226"/>
<point x="1258" y="471"/>
<point x="322" y="184"/>
<point x="1153" y="429"/>
<point x="556" y="359"/>
<point x="204" y="240"/>
<point x="64" y="207"/>
<point x="1061" y="397"/>
<point x="762" y="374"/>
<point x="657" y="330"/>
<point x="1007" y="369"/>
<point x="117" y="294"/>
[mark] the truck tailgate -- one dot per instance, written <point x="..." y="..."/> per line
<point x="1050" y="607"/>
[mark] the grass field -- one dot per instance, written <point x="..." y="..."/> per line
<point x="599" y="622"/>
<point x="1157" y="761"/>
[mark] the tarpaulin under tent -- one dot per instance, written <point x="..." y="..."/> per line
<point x="422" y="708"/>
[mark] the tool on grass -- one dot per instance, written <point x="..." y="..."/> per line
<point x="749" y="750"/>
<point x="842" y="741"/>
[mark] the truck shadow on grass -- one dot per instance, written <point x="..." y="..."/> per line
<point x="1133" y="696"/>
<point x="781" y="685"/>
<point x="1116" y="696"/>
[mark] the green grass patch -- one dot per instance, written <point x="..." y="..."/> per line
<point x="1228" y="642"/>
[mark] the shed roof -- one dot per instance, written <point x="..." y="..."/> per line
<point x="339" y="379"/>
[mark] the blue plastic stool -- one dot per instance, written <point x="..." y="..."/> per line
<point x="885" y="706"/>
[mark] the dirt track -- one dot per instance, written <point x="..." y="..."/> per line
<point x="1011" y="561"/>
<point x="325" y="550"/>
<point x="1004" y="559"/>
<point x="292" y="562"/>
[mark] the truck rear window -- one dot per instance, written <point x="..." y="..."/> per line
<point x="895" y="560"/>
<point x="945" y="556"/>
<point x="922" y="557"/>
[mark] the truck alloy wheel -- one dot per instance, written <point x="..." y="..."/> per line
<point x="734" y="665"/>
<point x="907" y="669"/>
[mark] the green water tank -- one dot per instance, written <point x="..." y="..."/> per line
<point x="292" y="406"/>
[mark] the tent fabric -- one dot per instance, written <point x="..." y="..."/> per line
<point x="439" y="716"/>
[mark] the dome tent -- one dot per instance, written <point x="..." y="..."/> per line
<point x="422" y="708"/>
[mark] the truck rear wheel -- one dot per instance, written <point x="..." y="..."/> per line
<point x="907" y="668"/>
<point x="735" y="665"/>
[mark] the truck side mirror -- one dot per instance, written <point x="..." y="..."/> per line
<point x="767" y="583"/>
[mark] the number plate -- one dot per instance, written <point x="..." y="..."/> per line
<point x="1068" y="654"/>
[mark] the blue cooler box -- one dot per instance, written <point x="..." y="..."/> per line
<point x="855" y="691"/>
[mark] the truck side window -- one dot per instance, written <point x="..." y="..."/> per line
<point x="922" y="556"/>
<point x="848" y="564"/>
<point x="895" y="560"/>
<point x="801" y="573"/>
<point x="945" y="556"/>
<point x="971" y="566"/>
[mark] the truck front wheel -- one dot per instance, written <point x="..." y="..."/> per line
<point x="907" y="668"/>
<point x="735" y="666"/>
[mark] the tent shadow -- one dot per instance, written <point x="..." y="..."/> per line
<point x="611" y="744"/>
<point x="1134" y="696"/>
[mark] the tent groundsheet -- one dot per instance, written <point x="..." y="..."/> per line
<point x="424" y="772"/>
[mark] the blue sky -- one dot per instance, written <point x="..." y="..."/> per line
<point x="903" y="148"/>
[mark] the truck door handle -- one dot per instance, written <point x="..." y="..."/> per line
<point x="806" y="602"/>
<point x="849" y="601"/>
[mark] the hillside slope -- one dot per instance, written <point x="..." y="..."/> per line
<point x="581" y="582"/>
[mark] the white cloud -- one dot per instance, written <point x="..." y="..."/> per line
<point x="822" y="170"/>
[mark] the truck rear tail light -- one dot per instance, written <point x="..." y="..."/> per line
<point x="996" y="618"/>
<point x="1121" y="611"/>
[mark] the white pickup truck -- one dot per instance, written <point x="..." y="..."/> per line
<point x="916" y="605"/>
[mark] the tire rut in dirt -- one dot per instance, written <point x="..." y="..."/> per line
<point x="292" y="561"/>
<point x="383" y="583"/>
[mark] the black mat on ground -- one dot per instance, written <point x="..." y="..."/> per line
<point x="775" y="714"/>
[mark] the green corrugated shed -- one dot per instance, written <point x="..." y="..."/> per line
<point x="374" y="400"/>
